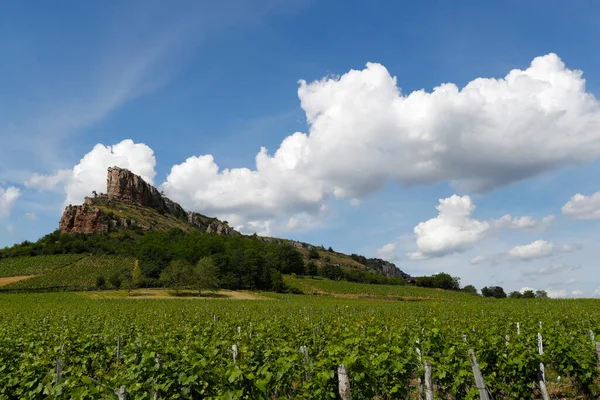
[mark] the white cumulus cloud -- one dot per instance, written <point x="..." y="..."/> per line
<point x="90" y="173"/>
<point x="8" y="197"/>
<point x="454" y="230"/>
<point x="583" y="207"/>
<point x="364" y="132"/>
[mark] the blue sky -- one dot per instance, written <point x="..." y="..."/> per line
<point x="369" y="163"/>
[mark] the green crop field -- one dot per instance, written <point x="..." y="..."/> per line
<point x="80" y="274"/>
<point x="235" y="349"/>
<point x="350" y="289"/>
<point x="35" y="265"/>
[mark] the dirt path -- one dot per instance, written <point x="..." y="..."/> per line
<point x="168" y="294"/>
<point x="12" y="279"/>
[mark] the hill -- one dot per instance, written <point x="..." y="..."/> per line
<point x="131" y="203"/>
<point x="133" y="220"/>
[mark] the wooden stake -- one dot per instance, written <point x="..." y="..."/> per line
<point x="428" y="381"/>
<point x="541" y="351"/>
<point x="483" y="395"/>
<point x="122" y="393"/>
<point x="343" y="382"/>
<point x="420" y="384"/>
<point x="59" y="368"/>
<point x="543" y="388"/>
<point x="598" y="353"/>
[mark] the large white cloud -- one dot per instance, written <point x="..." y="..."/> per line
<point x="90" y="173"/>
<point x="454" y="231"/>
<point x="8" y="197"/>
<point x="583" y="207"/>
<point x="364" y="132"/>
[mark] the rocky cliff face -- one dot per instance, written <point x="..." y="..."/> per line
<point x="125" y="189"/>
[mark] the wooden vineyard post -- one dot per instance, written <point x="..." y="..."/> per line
<point x="343" y="382"/>
<point x="541" y="372"/>
<point x="483" y="395"/>
<point x="306" y="359"/>
<point x="598" y="352"/>
<point x="122" y="393"/>
<point x="59" y="368"/>
<point x="428" y="381"/>
<point x="541" y="352"/>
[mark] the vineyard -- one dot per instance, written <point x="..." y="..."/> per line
<point x="62" y="345"/>
<point x="35" y="265"/>
<point x="67" y="272"/>
<point x="364" y="290"/>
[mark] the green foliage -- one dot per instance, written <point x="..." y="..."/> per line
<point x="493" y="291"/>
<point x="115" y="280"/>
<point x="136" y="275"/>
<point x="439" y="281"/>
<point x="331" y="271"/>
<point x="541" y="294"/>
<point x="28" y="265"/>
<point x="376" y="340"/>
<point x="81" y="275"/>
<point x="470" y="289"/>
<point x="205" y="275"/>
<point x="100" y="282"/>
<point x="515" y="295"/>
<point x="177" y="275"/>
<point x="311" y="269"/>
<point x="313" y="254"/>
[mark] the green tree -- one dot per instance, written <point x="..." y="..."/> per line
<point x="493" y="291"/>
<point x="205" y="275"/>
<point x="515" y="295"/>
<point x="311" y="269"/>
<point x="313" y="254"/>
<point x="528" y="294"/>
<point x="541" y="294"/>
<point x="100" y="282"/>
<point x="470" y="289"/>
<point x="115" y="280"/>
<point x="177" y="274"/>
<point x="277" y="283"/>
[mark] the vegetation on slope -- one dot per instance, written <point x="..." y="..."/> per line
<point x="35" y="265"/>
<point x="80" y="275"/>
<point x="363" y="290"/>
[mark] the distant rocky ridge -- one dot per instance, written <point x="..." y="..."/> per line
<point x="125" y="204"/>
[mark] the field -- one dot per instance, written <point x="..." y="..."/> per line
<point x="75" y="272"/>
<point x="326" y="287"/>
<point x="22" y="266"/>
<point x="237" y="349"/>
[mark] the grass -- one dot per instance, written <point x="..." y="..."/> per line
<point x="37" y="265"/>
<point x="170" y="294"/>
<point x="365" y="290"/>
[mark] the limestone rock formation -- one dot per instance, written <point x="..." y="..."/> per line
<point x="126" y="193"/>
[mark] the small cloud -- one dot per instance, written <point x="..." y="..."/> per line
<point x="387" y="252"/>
<point x="355" y="202"/>
<point x="8" y="197"/>
<point x="577" y="292"/>
<point x="533" y="250"/>
<point x="10" y="228"/>
<point x="31" y="216"/>
<point x="583" y="207"/>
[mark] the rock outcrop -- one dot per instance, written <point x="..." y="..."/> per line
<point x="101" y="213"/>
